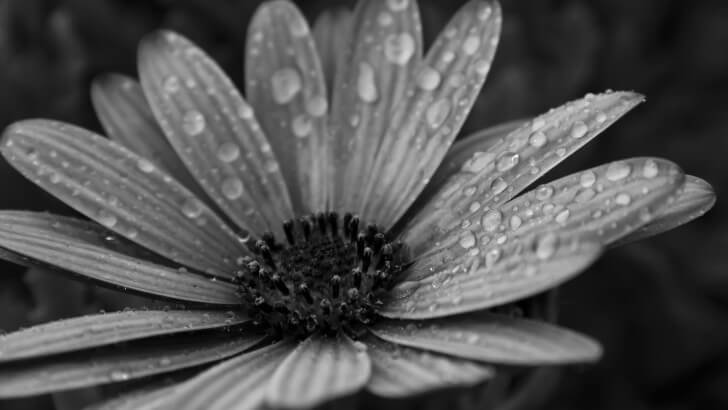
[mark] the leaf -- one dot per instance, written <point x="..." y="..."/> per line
<point x="85" y="332"/>
<point x="123" y="192"/>
<point x="214" y="131"/>
<point x="285" y="82"/>
<point x="425" y="124"/>
<point x="492" y="338"/>
<point x="118" y="363"/>
<point x="399" y="371"/>
<point x="319" y="369"/>
<point x="70" y="245"/>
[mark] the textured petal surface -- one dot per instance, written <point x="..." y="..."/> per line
<point x="319" y="369"/>
<point x="285" y="82"/>
<point x="105" y="329"/>
<point x="492" y="338"/>
<point x="127" y="119"/>
<point x="331" y="32"/>
<point x="238" y="383"/>
<point x="117" y="364"/>
<point x="399" y="371"/>
<point x="450" y="282"/>
<point x="214" y="131"/>
<point x="424" y="126"/>
<point x="149" y="399"/>
<point x="490" y="178"/>
<point x="384" y="51"/>
<point x="122" y="191"/>
<point x="691" y="201"/>
<point x="85" y="249"/>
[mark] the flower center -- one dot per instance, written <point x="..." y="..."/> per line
<point x="328" y="276"/>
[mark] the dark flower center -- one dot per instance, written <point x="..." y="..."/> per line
<point x="328" y="276"/>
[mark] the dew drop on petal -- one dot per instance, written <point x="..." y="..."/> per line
<point x="285" y="84"/>
<point x="192" y="208"/>
<point x="397" y="5"/>
<point x="537" y="124"/>
<point x="119" y="375"/>
<point x="399" y="48"/>
<point x="507" y="161"/>
<point x="650" y="169"/>
<point x="145" y="165"/>
<point x="438" y="112"/>
<point x="546" y="246"/>
<point x="428" y="79"/>
<point x="478" y="162"/>
<point x="587" y="179"/>
<point x="301" y="126"/>
<point x="491" y="220"/>
<point x="562" y="216"/>
<point x="171" y="84"/>
<point x="579" y="130"/>
<point x="617" y="171"/>
<point x="537" y="139"/>
<point x="271" y="166"/>
<point x="106" y="218"/>
<point x="385" y="19"/>
<point x="232" y="188"/>
<point x="623" y="199"/>
<point x="498" y="185"/>
<point x="298" y="27"/>
<point x="467" y="240"/>
<point x="193" y="123"/>
<point x="471" y="45"/>
<point x="516" y="222"/>
<point x="365" y="85"/>
<point x="228" y="152"/>
<point x="482" y="66"/>
<point x="245" y="112"/>
<point x="317" y="106"/>
<point x="601" y="117"/>
<point x="544" y="192"/>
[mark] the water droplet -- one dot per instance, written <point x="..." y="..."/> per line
<point x="438" y="112"/>
<point x="192" y="208"/>
<point x="537" y="139"/>
<point x="397" y="5"/>
<point x="317" y="106"/>
<point x="516" y="222"/>
<point x="365" y="85"/>
<point x="478" y="162"/>
<point x="193" y="123"/>
<point x="298" y="26"/>
<point x="171" y="84"/>
<point x="385" y="19"/>
<point x="650" y="169"/>
<point x="618" y="170"/>
<point x="585" y="195"/>
<point x="623" y="199"/>
<point x="579" y="130"/>
<point x="544" y="192"/>
<point x="55" y="178"/>
<point x="106" y="218"/>
<point x="498" y="185"/>
<point x="285" y="84"/>
<point x="301" y="126"/>
<point x="467" y="240"/>
<point x="119" y="375"/>
<point x="507" y="161"/>
<point x="232" y="188"/>
<point x="492" y="256"/>
<point x="562" y="216"/>
<point x="228" y="152"/>
<point x="245" y="112"/>
<point x="399" y="48"/>
<point x="271" y="166"/>
<point x="546" y="246"/>
<point x="491" y="220"/>
<point x="474" y="206"/>
<point x="145" y="165"/>
<point x="471" y="45"/>
<point x="587" y="179"/>
<point x="601" y="117"/>
<point x="428" y="79"/>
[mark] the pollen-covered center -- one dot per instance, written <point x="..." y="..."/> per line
<point x="328" y="275"/>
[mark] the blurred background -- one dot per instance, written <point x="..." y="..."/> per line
<point x="660" y="307"/>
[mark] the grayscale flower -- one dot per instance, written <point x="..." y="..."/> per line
<point x="324" y="234"/>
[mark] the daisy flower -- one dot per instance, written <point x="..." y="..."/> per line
<point x="323" y="235"/>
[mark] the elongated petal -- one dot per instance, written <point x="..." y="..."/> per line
<point x="424" y="126"/>
<point x="238" y="383"/>
<point x="127" y="119"/>
<point x="71" y="245"/>
<point x="105" y="329"/>
<point x="285" y="81"/>
<point x="399" y="371"/>
<point x="492" y="177"/>
<point x="450" y="282"/>
<point x="492" y="338"/>
<point x="122" y="191"/>
<point x="384" y="51"/>
<point x="332" y="34"/>
<point x="691" y="201"/>
<point x="117" y="364"/>
<point x="319" y="369"/>
<point x="459" y="153"/>
<point x="214" y="131"/>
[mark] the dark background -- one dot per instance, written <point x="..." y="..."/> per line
<point x="660" y="307"/>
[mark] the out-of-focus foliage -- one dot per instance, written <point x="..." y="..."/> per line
<point x="659" y="306"/>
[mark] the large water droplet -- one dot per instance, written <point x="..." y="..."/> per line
<point x="285" y="84"/>
<point x="471" y="45"/>
<point x="537" y="139"/>
<point x="618" y="170"/>
<point x="317" y="106"/>
<point x="507" y="161"/>
<point x="650" y="169"/>
<point x="491" y="220"/>
<point x="145" y="165"/>
<point x="399" y="48"/>
<point x="301" y="126"/>
<point x="579" y="130"/>
<point x="192" y="208"/>
<point x="366" y="86"/>
<point x="228" y="152"/>
<point x="478" y="162"/>
<point x="438" y="112"/>
<point x="193" y="123"/>
<point x="232" y="188"/>
<point x="623" y="199"/>
<point x="546" y="246"/>
<point x="498" y="185"/>
<point x="587" y="179"/>
<point x="429" y="79"/>
<point x="467" y="240"/>
<point x="106" y="218"/>
<point x="562" y="216"/>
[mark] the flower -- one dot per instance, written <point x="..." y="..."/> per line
<point x="320" y="248"/>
